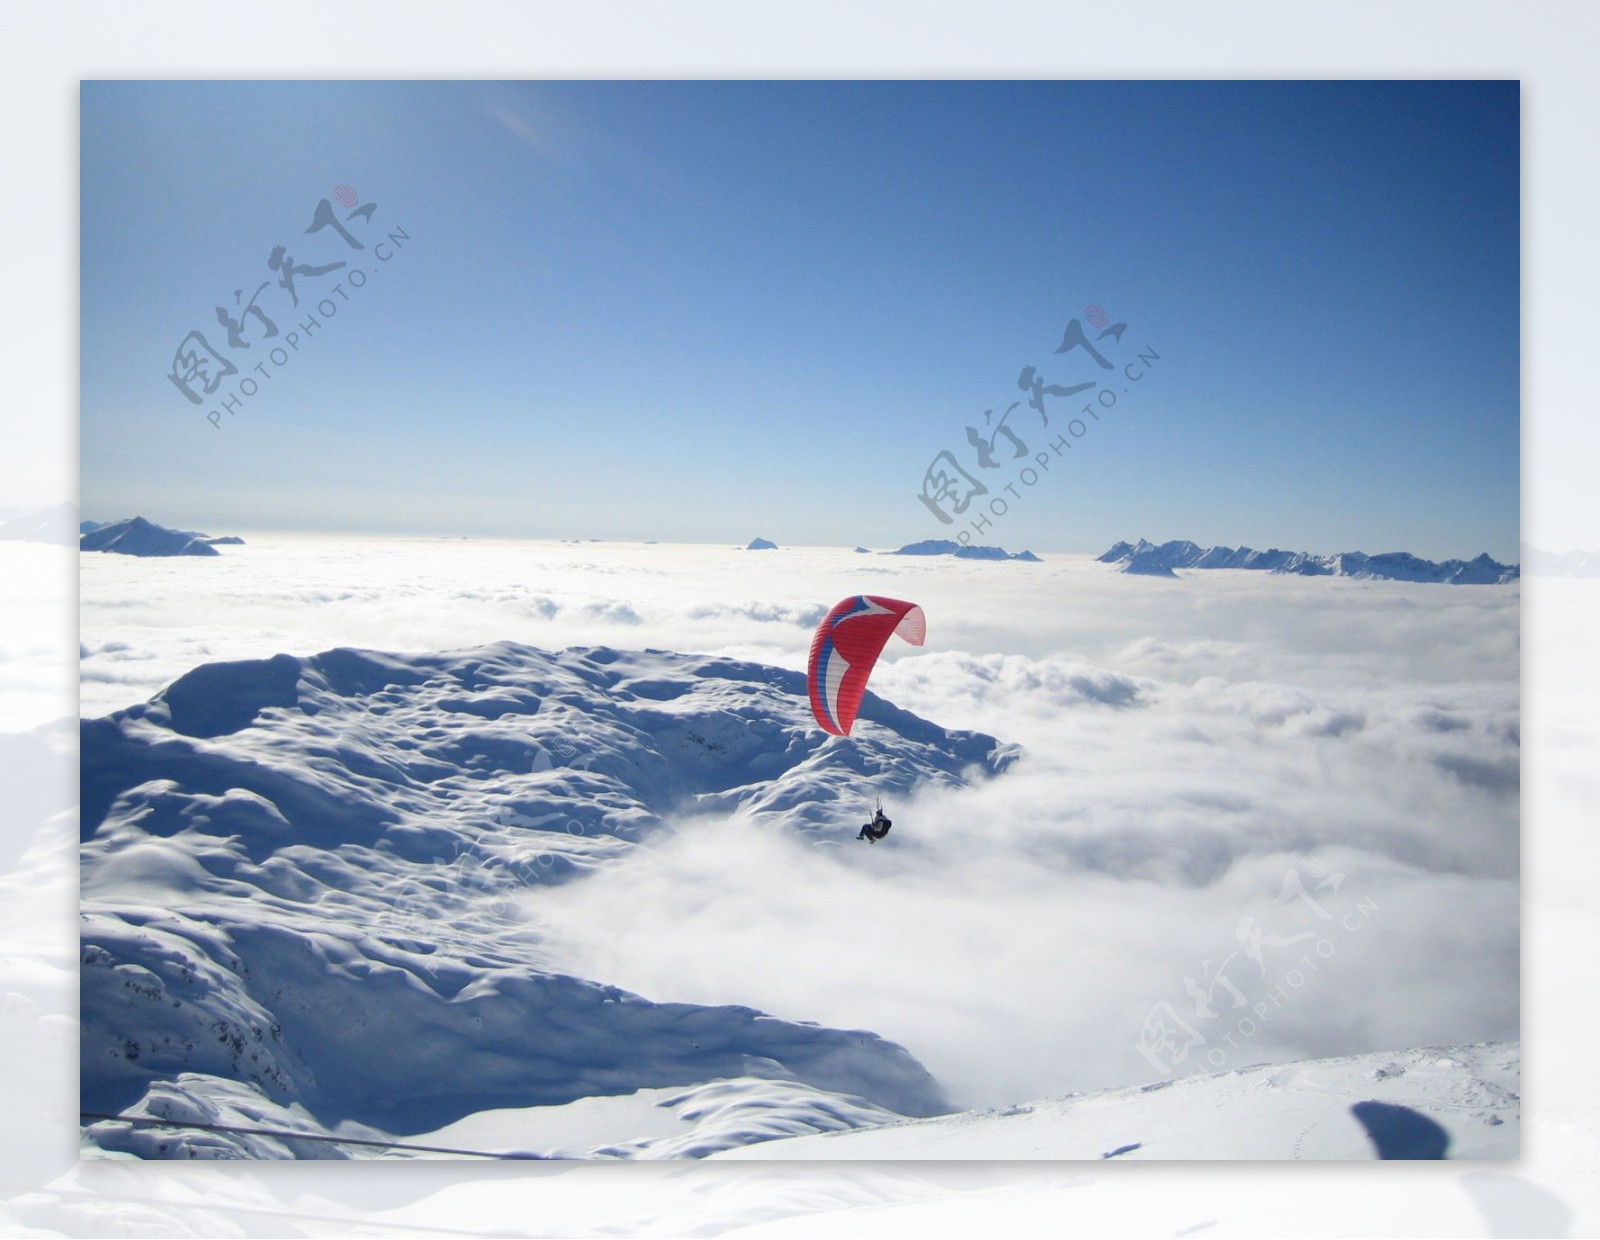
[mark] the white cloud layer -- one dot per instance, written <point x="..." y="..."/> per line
<point x="1190" y="745"/>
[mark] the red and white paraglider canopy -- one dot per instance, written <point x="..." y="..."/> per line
<point x="846" y="647"/>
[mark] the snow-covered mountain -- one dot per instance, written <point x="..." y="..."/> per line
<point x="1149" y="559"/>
<point x="136" y="536"/>
<point x="53" y="524"/>
<point x="295" y="881"/>
<point x="1561" y="563"/>
<point x="946" y="546"/>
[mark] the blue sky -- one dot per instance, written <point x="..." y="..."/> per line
<point x="710" y="311"/>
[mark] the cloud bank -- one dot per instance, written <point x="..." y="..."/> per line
<point x="1256" y="819"/>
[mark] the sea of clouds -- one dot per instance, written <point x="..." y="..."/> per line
<point x="1232" y="781"/>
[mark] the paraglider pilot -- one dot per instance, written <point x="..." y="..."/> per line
<point x="875" y="830"/>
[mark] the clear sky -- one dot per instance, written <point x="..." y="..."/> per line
<point x="711" y="311"/>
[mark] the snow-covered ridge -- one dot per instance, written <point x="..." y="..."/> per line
<point x="1159" y="561"/>
<point x="295" y="875"/>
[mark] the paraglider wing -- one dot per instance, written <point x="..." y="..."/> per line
<point x="846" y="647"/>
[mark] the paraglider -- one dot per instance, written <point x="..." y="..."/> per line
<point x="845" y="649"/>
<point x="875" y="830"/>
<point x="843" y="653"/>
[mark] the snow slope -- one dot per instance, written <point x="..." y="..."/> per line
<point x="1435" y="1102"/>
<point x="296" y="876"/>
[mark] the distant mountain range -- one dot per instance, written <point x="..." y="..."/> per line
<point x="944" y="546"/>
<point x="1159" y="561"/>
<point x="52" y="525"/>
<point x="1561" y="563"/>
